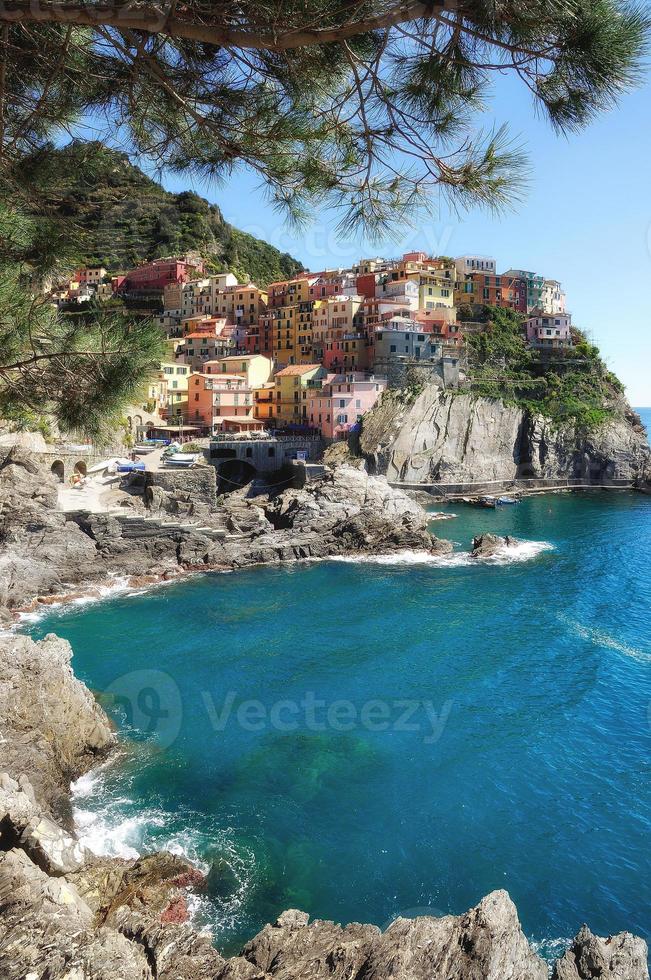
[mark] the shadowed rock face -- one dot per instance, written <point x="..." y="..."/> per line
<point x="68" y="915"/>
<point x="462" y="439"/>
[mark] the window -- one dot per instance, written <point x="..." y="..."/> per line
<point x="393" y="348"/>
<point x="358" y="403"/>
<point x="342" y="419"/>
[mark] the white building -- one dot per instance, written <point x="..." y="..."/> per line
<point x="465" y="264"/>
<point x="553" y="299"/>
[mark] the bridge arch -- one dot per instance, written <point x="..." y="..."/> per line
<point x="232" y="474"/>
<point x="81" y="467"/>
<point x="58" y="469"/>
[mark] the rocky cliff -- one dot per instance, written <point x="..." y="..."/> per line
<point x="67" y="915"/>
<point x="45" y="553"/>
<point x="456" y="438"/>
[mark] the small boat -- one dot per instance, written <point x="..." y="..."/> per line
<point x="487" y="502"/>
<point x="507" y="500"/>
<point x="141" y="449"/>
<point x="131" y="467"/>
<point x="182" y="460"/>
<point x="104" y="465"/>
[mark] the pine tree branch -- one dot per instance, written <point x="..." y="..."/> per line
<point x="154" y="20"/>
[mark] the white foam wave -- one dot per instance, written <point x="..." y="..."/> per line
<point x="551" y="949"/>
<point x="506" y="555"/>
<point x="600" y="638"/>
<point x="111" y="825"/>
<point x="522" y="551"/>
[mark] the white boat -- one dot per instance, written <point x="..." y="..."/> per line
<point x="100" y="467"/>
<point x="141" y="450"/>
<point x="182" y="460"/>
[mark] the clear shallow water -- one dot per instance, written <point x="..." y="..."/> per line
<point x="524" y="763"/>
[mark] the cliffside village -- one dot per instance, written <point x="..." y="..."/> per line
<point x="313" y="353"/>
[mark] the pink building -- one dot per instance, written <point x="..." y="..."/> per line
<point x="549" y="331"/>
<point x="214" y="398"/>
<point x="339" y="405"/>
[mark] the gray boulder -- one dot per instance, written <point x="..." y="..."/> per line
<point x="487" y="545"/>
<point x="620" y="957"/>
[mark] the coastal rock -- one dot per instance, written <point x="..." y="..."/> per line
<point x="621" y="957"/>
<point x="44" y="553"/>
<point x="22" y="823"/>
<point x="485" y="942"/>
<point x="53" y="729"/>
<point x="487" y="545"/>
<point x="461" y="439"/>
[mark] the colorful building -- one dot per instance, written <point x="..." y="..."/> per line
<point x="293" y="385"/>
<point x="176" y="376"/>
<point x="153" y="277"/>
<point x="214" y="397"/>
<point x="549" y="332"/>
<point x="254" y="368"/>
<point x="487" y="289"/>
<point x="534" y="286"/>
<point x="337" y="407"/>
<point x="553" y="298"/>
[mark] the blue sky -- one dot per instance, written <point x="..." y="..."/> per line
<point x="586" y="220"/>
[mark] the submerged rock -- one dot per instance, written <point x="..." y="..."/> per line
<point x="487" y="545"/>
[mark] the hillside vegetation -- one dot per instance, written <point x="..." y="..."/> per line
<point x="574" y="386"/>
<point x="120" y="216"/>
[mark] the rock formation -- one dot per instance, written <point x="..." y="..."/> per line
<point x="488" y="545"/>
<point x="46" y="553"/>
<point x="622" y="957"/>
<point x="451" y="438"/>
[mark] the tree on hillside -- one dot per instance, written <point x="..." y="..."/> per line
<point x="363" y="106"/>
<point x="78" y="369"/>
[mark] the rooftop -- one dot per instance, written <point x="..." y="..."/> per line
<point x="297" y="369"/>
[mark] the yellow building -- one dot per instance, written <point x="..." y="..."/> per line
<point x="293" y="385"/>
<point x="255" y="368"/>
<point x="434" y="291"/>
<point x="284" y="335"/>
<point x="240" y="304"/>
<point x="263" y="401"/>
<point x="176" y="377"/>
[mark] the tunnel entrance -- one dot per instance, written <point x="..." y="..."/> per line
<point x="58" y="469"/>
<point x="233" y="474"/>
<point x="81" y="468"/>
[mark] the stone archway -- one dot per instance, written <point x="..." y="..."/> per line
<point x="232" y="474"/>
<point x="81" y="467"/>
<point x="58" y="469"/>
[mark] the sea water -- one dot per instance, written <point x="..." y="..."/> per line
<point x="368" y="738"/>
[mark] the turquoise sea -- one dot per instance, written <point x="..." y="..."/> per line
<point x="363" y="739"/>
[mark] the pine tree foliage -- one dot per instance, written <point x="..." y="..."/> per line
<point x="78" y="369"/>
<point x="363" y="106"/>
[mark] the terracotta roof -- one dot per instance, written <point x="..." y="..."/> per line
<point x="297" y="369"/>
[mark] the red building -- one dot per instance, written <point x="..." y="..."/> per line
<point x="153" y="277"/>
